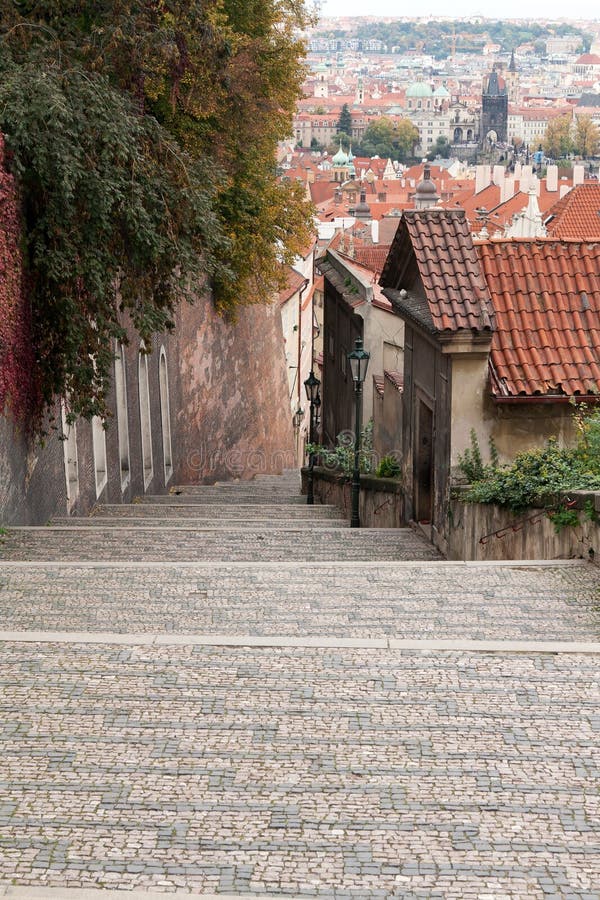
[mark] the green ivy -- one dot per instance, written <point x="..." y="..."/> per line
<point x="545" y="471"/>
<point x="117" y="219"/>
<point x="388" y="467"/>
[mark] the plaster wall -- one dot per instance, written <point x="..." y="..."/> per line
<point x="233" y="419"/>
<point x="383" y="330"/>
<point x="469" y="384"/>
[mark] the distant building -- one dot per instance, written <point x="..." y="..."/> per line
<point x="494" y="110"/>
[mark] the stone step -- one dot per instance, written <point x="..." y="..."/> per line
<point x="130" y="543"/>
<point x="214" y="511"/>
<point x="224" y="498"/>
<point x="417" y="600"/>
<point x="214" y="523"/>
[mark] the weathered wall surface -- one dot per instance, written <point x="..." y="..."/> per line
<point x="229" y="418"/>
<point x="233" y="418"/>
<point x="478" y="531"/>
<point x="380" y="500"/>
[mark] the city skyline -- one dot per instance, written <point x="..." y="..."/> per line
<point x="553" y="9"/>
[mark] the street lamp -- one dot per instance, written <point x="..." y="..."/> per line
<point x="297" y="418"/>
<point x="312" y="385"/>
<point x="359" y="361"/>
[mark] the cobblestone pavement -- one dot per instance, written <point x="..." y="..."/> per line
<point x="365" y="600"/>
<point x="338" y="773"/>
<point x="70" y="544"/>
<point x="315" y="772"/>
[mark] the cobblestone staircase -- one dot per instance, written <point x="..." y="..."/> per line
<point x="224" y="693"/>
<point x="262" y="520"/>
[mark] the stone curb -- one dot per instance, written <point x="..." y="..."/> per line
<point x="302" y="643"/>
<point x="296" y="564"/>
<point x="44" y="893"/>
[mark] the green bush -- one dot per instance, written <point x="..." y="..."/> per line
<point x="535" y="474"/>
<point x="341" y="457"/>
<point x="388" y="467"/>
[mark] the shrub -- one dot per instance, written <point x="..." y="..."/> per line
<point x="341" y="457"/>
<point x="388" y="467"/>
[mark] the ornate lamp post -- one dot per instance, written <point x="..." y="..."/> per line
<point x="312" y="385"/>
<point x="359" y="361"/>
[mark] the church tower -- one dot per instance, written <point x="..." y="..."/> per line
<point x="512" y="81"/>
<point x="494" y="110"/>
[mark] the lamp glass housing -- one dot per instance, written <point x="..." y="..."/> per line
<point x="312" y="385"/>
<point x="359" y="362"/>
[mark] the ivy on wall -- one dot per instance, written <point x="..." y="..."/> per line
<point x="142" y="138"/>
<point x="17" y="390"/>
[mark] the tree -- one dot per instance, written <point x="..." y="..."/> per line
<point x="558" y="141"/>
<point x="345" y="121"/>
<point x="406" y="137"/>
<point x="586" y="142"/>
<point x="384" y="138"/>
<point x="143" y="135"/>
<point x="440" y="148"/>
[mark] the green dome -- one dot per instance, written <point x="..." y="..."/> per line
<point x="419" y="89"/>
<point x="441" y="91"/>
<point x="340" y="158"/>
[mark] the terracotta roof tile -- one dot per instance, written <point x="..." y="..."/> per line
<point x="396" y="378"/>
<point x="577" y="214"/>
<point x="378" y="384"/>
<point x="546" y="297"/>
<point x="294" y="282"/>
<point x="448" y="263"/>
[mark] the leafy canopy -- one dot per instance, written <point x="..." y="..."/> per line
<point x="143" y="137"/>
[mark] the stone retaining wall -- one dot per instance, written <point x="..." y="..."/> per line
<point x="478" y="531"/>
<point x="380" y="503"/>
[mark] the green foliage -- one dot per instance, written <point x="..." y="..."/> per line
<point x="341" y="457"/>
<point x="471" y="461"/>
<point x="563" y="517"/>
<point x="345" y="121"/>
<point x="110" y="202"/>
<point x="388" y="467"/>
<point x="543" y="472"/>
<point x="143" y="136"/>
<point x="384" y="138"/>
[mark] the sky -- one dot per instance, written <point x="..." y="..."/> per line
<point x="549" y="9"/>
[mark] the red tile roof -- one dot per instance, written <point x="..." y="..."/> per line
<point x="448" y="263"/>
<point x="396" y="378"/>
<point x="577" y="215"/>
<point x="546" y="296"/>
<point x="294" y="282"/>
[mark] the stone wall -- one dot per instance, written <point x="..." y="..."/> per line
<point x="380" y="499"/>
<point x="229" y="418"/>
<point x="478" y="531"/>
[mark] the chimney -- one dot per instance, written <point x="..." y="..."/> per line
<point x="518" y="168"/>
<point x="482" y="178"/>
<point x="552" y="178"/>
<point x="578" y="175"/>
<point x="498" y="175"/>
<point x="564" y="190"/>
<point x="507" y="189"/>
<point x="375" y="231"/>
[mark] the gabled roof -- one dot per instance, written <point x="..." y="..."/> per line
<point x="448" y="263"/>
<point x="577" y="214"/>
<point x="546" y="296"/>
<point x="295" y="281"/>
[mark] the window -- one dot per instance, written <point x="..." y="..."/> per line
<point x="69" y="433"/>
<point x="99" y="447"/>
<point x="145" y="421"/>
<point x="122" y="417"/>
<point x="165" y="414"/>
